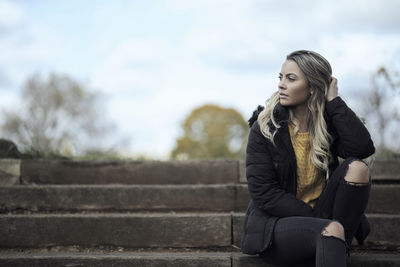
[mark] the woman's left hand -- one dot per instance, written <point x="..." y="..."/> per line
<point x="332" y="90"/>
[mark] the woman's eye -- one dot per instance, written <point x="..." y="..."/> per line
<point x="280" y="78"/>
<point x="291" y="78"/>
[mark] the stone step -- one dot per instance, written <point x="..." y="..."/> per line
<point x="167" y="259"/>
<point x="125" y="230"/>
<point x="75" y="198"/>
<point x="384" y="198"/>
<point x="386" y="170"/>
<point x="212" y="198"/>
<point x="148" y="230"/>
<point x="382" y="171"/>
<point x="383" y="230"/>
<point x="115" y="259"/>
<point x="129" y="172"/>
<point x="146" y="172"/>
<point x="370" y="259"/>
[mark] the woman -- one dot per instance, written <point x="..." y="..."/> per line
<point x="306" y="207"/>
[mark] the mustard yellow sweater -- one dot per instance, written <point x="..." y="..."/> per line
<point x="310" y="180"/>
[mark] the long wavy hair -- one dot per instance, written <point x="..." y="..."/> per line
<point x="318" y="72"/>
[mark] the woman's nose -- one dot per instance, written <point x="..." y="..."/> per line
<point x="281" y="85"/>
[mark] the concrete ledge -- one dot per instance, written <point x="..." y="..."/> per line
<point x="9" y="171"/>
<point x="375" y="260"/>
<point x="237" y="228"/>
<point x="242" y="171"/>
<point x="129" y="172"/>
<point x="189" y="259"/>
<point x="381" y="170"/>
<point x="369" y="259"/>
<point x="383" y="229"/>
<point x="116" y="259"/>
<point x="386" y="170"/>
<point x="224" y="197"/>
<point x="125" y="230"/>
<point x="148" y="172"/>
<point x="119" y="198"/>
<point x="384" y="199"/>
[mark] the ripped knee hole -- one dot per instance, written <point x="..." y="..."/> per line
<point x="357" y="173"/>
<point x="334" y="229"/>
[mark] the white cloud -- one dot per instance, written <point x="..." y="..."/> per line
<point x="159" y="97"/>
<point x="133" y="65"/>
<point x="379" y="17"/>
<point x="10" y="15"/>
<point x="155" y="71"/>
<point x="359" y="52"/>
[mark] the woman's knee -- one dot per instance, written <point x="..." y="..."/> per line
<point x="357" y="173"/>
<point x="335" y="229"/>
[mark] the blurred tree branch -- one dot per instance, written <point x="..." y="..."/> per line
<point x="57" y="116"/>
<point x="382" y="110"/>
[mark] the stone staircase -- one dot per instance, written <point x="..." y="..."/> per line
<point x="128" y="213"/>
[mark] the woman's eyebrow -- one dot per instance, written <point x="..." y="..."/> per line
<point x="291" y="73"/>
<point x="287" y="74"/>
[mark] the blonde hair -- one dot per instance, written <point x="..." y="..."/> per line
<point x="318" y="72"/>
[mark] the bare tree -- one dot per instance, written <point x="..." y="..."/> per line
<point x="382" y="110"/>
<point x="57" y="115"/>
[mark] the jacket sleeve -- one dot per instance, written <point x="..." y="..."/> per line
<point x="262" y="179"/>
<point x="351" y="137"/>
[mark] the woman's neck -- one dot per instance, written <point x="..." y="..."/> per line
<point x="300" y="114"/>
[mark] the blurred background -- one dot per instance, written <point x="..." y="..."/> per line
<point x="177" y="79"/>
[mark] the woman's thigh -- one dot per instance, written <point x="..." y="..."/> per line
<point x="295" y="240"/>
<point x="325" y="204"/>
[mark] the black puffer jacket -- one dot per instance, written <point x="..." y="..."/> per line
<point x="271" y="170"/>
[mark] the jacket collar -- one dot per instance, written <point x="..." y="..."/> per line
<point x="281" y="115"/>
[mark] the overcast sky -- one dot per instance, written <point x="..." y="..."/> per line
<point x="157" y="60"/>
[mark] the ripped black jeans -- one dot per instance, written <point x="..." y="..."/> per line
<point x="298" y="241"/>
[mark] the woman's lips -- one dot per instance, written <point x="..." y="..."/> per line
<point x="281" y="95"/>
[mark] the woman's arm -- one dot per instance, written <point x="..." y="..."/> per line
<point x="351" y="137"/>
<point x="263" y="181"/>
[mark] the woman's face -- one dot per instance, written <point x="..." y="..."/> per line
<point x="293" y="87"/>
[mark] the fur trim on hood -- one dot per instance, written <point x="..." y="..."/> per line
<point x="254" y="117"/>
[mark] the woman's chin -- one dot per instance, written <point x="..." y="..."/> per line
<point x="284" y="102"/>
